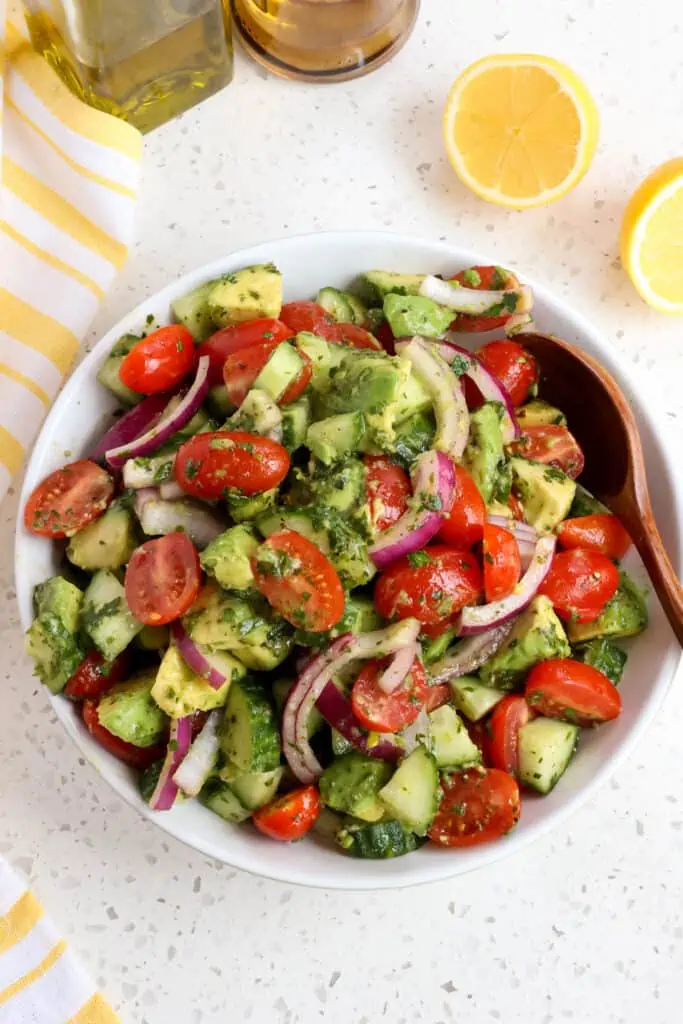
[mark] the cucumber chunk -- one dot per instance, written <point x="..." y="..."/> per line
<point x="220" y="799"/>
<point x="192" y="311"/>
<point x="451" y="743"/>
<point x="106" y="617"/>
<point x="472" y="698"/>
<point x="378" y="841"/>
<point x="282" y="369"/>
<point x="546" y="746"/>
<point x="106" y="543"/>
<point x="412" y="794"/>
<point x="252" y="789"/>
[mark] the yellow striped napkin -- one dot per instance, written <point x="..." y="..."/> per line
<point x="41" y="982"/>
<point x="68" y="183"/>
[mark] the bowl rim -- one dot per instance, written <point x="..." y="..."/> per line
<point x="438" y="869"/>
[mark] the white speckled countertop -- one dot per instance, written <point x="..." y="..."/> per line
<point x="586" y="925"/>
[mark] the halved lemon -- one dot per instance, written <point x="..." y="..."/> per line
<point x="520" y="129"/>
<point x="652" y="237"/>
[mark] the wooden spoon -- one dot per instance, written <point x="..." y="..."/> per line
<point x="602" y="422"/>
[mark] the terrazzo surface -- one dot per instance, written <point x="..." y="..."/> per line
<point x="585" y="925"/>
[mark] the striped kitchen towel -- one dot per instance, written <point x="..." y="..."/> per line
<point x="41" y="982"/>
<point x="68" y="184"/>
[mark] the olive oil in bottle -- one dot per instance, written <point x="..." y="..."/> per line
<point x="145" y="61"/>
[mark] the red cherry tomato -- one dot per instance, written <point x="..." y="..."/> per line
<point x="160" y="361"/>
<point x="431" y="587"/>
<point x="309" y="316"/>
<point x="94" y="676"/>
<point x="358" y="337"/>
<point x="388" y="712"/>
<point x="298" y="580"/>
<point x="388" y="488"/>
<point x="502" y="563"/>
<point x="291" y="816"/>
<point x="464" y="524"/>
<point x="477" y="806"/>
<point x="136" y="757"/>
<point x="570" y="690"/>
<point x="210" y="465"/>
<point x="437" y="695"/>
<point x="553" y="446"/>
<point x="483" y="279"/>
<point x="241" y="369"/>
<point x="580" y="583"/>
<point x="515" y="368"/>
<point x="507" y="718"/>
<point x="68" y="499"/>
<point x="480" y="734"/>
<point x="162" y="579"/>
<point x="236" y="336"/>
<point x="599" y="532"/>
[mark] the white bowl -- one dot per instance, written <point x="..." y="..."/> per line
<point x="307" y="263"/>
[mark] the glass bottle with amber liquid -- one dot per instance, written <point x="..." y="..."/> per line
<point x="144" y="60"/>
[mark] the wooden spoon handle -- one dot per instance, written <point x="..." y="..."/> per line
<point x="647" y="540"/>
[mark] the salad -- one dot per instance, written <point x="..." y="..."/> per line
<point x="330" y="568"/>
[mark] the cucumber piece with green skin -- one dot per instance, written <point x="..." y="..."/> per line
<point x="149" y="778"/>
<point x="412" y="795"/>
<point x="250" y="737"/>
<point x="584" y="504"/>
<point x="108" y="373"/>
<point x="252" y="789"/>
<point x="218" y="402"/>
<point x="335" y="303"/>
<point x="283" y="367"/>
<point x="106" y="617"/>
<point x="375" y="284"/>
<point x="546" y="747"/>
<point x="351" y="784"/>
<point x="192" y="311"/>
<point x="153" y="638"/>
<point x="336" y="437"/>
<point x="379" y="841"/>
<point x="244" y="508"/>
<point x="359" y="617"/>
<point x="603" y="655"/>
<point x="451" y="743"/>
<point x="434" y="649"/>
<point x="129" y="711"/>
<point x="106" y="543"/>
<point x="324" y="357"/>
<point x="472" y="698"/>
<point x="359" y="311"/>
<point x="625" y="614"/>
<point x="220" y="799"/>
<point x="296" y="419"/>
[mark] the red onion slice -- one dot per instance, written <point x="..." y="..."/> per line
<point x="491" y="388"/>
<point x="475" y="302"/>
<point x="170" y="422"/>
<point x="336" y="709"/>
<point x="479" y="618"/>
<point x="516" y="526"/>
<point x="201" y="757"/>
<point x="132" y="424"/>
<point x="158" y="518"/>
<point x="450" y="407"/>
<point x="417" y="732"/>
<point x="213" y="666"/>
<point x="433" y="480"/>
<point x="166" y="790"/>
<point x="469" y="655"/>
<point x="398" y="668"/>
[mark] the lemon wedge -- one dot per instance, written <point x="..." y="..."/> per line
<point x="652" y="237"/>
<point x="520" y="129"/>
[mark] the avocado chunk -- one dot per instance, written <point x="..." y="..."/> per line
<point x="153" y="638"/>
<point x="128" y="710"/>
<point x="192" y="311"/>
<point x="375" y="284"/>
<point x="484" y="455"/>
<point x="218" y="403"/>
<point x="584" y="504"/>
<point x="412" y="437"/>
<point x="247" y="294"/>
<point x="245" y="507"/>
<point x="61" y="598"/>
<point x="351" y="784"/>
<point x="228" y="557"/>
<point x="296" y="419"/>
<point x="537" y="635"/>
<point x="258" y="414"/>
<point x="359" y="617"/>
<point x="538" y="413"/>
<point x="414" y="398"/>
<point x="56" y="652"/>
<point x="336" y="437"/>
<point x="413" y="314"/>
<point x="108" y="373"/>
<point x="106" y="543"/>
<point x="603" y="655"/>
<point x="624" y="615"/>
<point x="545" y="492"/>
<point x="247" y="628"/>
<point x="370" y="383"/>
<point x="340" y="486"/>
<point x="179" y="691"/>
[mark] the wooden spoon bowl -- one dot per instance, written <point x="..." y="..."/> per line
<point x="604" y="425"/>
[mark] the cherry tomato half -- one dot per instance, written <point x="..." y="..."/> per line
<point x="162" y="579"/>
<point x="502" y="563"/>
<point x="237" y="336"/>
<point x="291" y="816"/>
<point x="431" y="586"/>
<point x="515" y="368"/>
<point x="477" y="806"/>
<point x="136" y="757"/>
<point x="507" y="718"/>
<point x="241" y="369"/>
<point x="552" y="445"/>
<point x="210" y="465"/>
<point x="160" y="361"/>
<point x="68" y="499"/>
<point x="599" y="532"/>
<point x="358" y="337"/>
<point x="570" y="690"/>
<point x="580" y="583"/>
<point x="299" y="582"/>
<point x="388" y="488"/>
<point x="437" y="695"/>
<point x="309" y="316"/>
<point x="388" y="712"/>
<point x="483" y="279"/>
<point x="94" y="676"/>
<point x="464" y="524"/>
